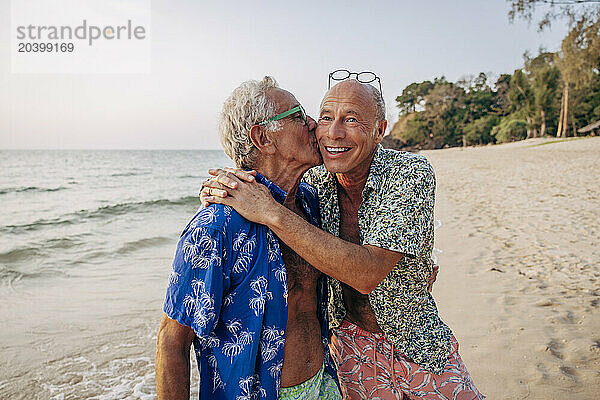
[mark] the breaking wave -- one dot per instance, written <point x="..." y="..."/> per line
<point x="31" y="189"/>
<point x="120" y="174"/>
<point x="9" y="277"/>
<point x="40" y="249"/>
<point x="143" y="243"/>
<point x="101" y="213"/>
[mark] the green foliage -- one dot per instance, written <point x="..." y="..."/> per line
<point x="573" y="10"/>
<point x="480" y="130"/>
<point x="510" y="130"/>
<point x="546" y="81"/>
<point x="416" y="132"/>
<point x="526" y="103"/>
<point x="519" y="93"/>
<point x="412" y="96"/>
<point x="579" y="52"/>
<point x="588" y="99"/>
<point x="501" y="105"/>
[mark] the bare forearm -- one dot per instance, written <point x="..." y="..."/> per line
<point x="361" y="267"/>
<point x="172" y="374"/>
<point x="345" y="261"/>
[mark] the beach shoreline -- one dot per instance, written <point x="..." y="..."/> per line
<point x="518" y="283"/>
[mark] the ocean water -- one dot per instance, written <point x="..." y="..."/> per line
<point x="86" y="242"/>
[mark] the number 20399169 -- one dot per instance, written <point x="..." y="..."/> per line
<point x="45" y="47"/>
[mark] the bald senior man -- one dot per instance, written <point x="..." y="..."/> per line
<point x="376" y="208"/>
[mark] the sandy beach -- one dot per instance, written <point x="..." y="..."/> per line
<point x="520" y="268"/>
<point x="82" y="291"/>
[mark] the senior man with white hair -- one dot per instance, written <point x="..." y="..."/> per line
<point x="376" y="207"/>
<point x="255" y="311"/>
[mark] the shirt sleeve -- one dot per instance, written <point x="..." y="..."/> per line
<point x="405" y="212"/>
<point x="195" y="291"/>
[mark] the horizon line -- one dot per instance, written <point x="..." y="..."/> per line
<point x="102" y="149"/>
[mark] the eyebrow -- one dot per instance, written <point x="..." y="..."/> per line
<point x="346" y="112"/>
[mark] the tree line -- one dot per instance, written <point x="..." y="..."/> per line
<point x="553" y="93"/>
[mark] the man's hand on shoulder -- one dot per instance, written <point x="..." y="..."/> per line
<point x="223" y="179"/>
<point x="250" y="199"/>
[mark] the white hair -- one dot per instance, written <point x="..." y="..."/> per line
<point x="379" y="103"/>
<point x="246" y="106"/>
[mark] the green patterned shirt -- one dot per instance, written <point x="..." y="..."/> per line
<point x="396" y="214"/>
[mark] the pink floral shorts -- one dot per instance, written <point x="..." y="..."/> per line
<point x="367" y="371"/>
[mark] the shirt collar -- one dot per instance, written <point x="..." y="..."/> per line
<point x="278" y="193"/>
<point x="377" y="169"/>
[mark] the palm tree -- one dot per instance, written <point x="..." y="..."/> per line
<point x="251" y="388"/>
<point x="245" y="252"/>
<point x="259" y="286"/>
<point x="207" y="216"/>
<point x="217" y="381"/>
<point x="200" y="249"/>
<point x="240" y="339"/>
<point x="173" y="276"/>
<point x="200" y="304"/>
<point x="270" y="342"/>
<point x="272" y="246"/>
<point x="238" y="240"/>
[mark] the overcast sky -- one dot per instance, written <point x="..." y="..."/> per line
<point x="201" y="50"/>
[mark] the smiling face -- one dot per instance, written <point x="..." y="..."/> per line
<point x="348" y="131"/>
<point x="295" y="144"/>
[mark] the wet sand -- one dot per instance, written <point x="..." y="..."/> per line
<point x="520" y="268"/>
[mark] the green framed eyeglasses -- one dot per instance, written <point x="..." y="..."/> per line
<point x="287" y="113"/>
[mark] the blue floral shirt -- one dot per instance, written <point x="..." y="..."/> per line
<point x="228" y="283"/>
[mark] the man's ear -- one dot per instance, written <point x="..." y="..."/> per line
<point x="380" y="131"/>
<point x="261" y="139"/>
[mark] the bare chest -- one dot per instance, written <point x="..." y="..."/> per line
<point x="303" y="351"/>
<point x="300" y="274"/>
<point x="349" y="229"/>
<point x="358" y="307"/>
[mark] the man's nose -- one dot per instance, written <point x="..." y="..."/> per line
<point x="336" y="130"/>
